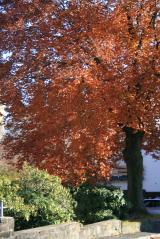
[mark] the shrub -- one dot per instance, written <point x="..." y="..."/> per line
<point x="9" y="194"/>
<point x="36" y="198"/>
<point x="98" y="203"/>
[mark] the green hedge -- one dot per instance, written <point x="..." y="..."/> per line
<point x="35" y="198"/>
<point x="98" y="203"/>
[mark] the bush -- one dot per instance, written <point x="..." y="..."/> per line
<point x="98" y="203"/>
<point x="35" y="198"/>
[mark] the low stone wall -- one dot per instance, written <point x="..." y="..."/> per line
<point x="6" y="227"/>
<point x="62" y="231"/>
<point x="72" y="230"/>
<point x="101" y="229"/>
<point x="129" y="227"/>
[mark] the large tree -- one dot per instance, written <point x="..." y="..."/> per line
<point x="80" y="80"/>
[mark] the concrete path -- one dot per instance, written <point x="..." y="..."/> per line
<point x="140" y="235"/>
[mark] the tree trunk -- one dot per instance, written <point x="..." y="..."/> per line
<point x="134" y="160"/>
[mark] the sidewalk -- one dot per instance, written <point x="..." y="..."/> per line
<point x="140" y="235"/>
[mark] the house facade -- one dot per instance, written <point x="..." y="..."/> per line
<point x="151" y="177"/>
<point x="2" y="112"/>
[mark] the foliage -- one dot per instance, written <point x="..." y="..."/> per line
<point x="98" y="203"/>
<point x="35" y="198"/>
<point x="12" y="200"/>
<point x="75" y="77"/>
<point x="8" y="172"/>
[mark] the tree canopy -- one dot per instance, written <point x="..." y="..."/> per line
<point x="74" y="75"/>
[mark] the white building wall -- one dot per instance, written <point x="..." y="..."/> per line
<point x="2" y="112"/>
<point x="151" y="181"/>
<point x="120" y="184"/>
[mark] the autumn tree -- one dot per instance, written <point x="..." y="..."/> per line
<point x="80" y="81"/>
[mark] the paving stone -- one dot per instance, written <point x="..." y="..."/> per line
<point x="140" y="235"/>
